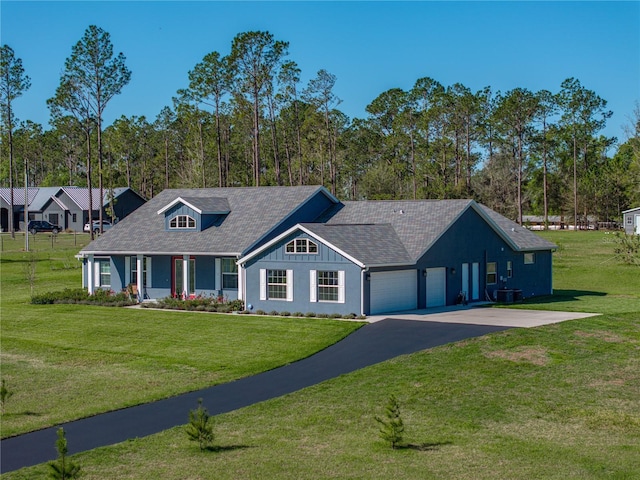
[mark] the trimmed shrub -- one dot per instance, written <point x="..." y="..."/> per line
<point x="310" y="314"/>
<point x="297" y="314"/>
<point x="284" y="314"/>
<point x="81" y="296"/>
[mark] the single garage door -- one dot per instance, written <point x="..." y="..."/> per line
<point x="436" y="287"/>
<point x="394" y="291"/>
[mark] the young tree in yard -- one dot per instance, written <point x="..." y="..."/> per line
<point x="63" y="468"/>
<point x="13" y="82"/>
<point x="5" y="394"/>
<point x="391" y="425"/>
<point x="200" y="426"/>
<point x="95" y="75"/>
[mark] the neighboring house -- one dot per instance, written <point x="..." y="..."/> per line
<point x="68" y="207"/>
<point x="18" y="206"/>
<point x="631" y="221"/>
<point x="299" y="249"/>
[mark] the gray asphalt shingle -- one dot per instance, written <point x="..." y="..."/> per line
<point x="371" y="244"/>
<point x="254" y="211"/>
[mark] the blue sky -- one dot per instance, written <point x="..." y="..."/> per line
<point x="369" y="46"/>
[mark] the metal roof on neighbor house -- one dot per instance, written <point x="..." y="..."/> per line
<point x="80" y="196"/>
<point x="18" y="195"/>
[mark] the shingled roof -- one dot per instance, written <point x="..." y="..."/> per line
<point x="419" y="223"/>
<point x="253" y="214"/>
<point x="371" y="244"/>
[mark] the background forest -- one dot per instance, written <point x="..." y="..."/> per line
<point x="245" y="119"/>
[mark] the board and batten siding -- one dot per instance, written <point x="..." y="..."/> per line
<point x="299" y="268"/>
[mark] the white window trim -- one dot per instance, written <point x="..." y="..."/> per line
<point x="97" y="274"/>
<point x="188" y="217"/>
<point x="313" y="287"/>
<point x="264" y="285"/>
<point x="306" y="249"/>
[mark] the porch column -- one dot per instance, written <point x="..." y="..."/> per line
<point x="185" y="275"/>
<point x="241" y="288"/>
<point x="90" y="273"/>
<point x="140" y="276"/>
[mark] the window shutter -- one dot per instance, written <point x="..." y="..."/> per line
<point x="148" y="284"/>
<point x="313" y="288"/>
<point x="127" y="270"/>
<point x="96" y="274"/>
<point x="218" y="274"/>
<point x="340" y="286"/>
<point x="289" y="285"/>
<point x="263" y="284"/>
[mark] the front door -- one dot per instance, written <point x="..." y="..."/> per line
<point x="637" y="224"/>
<point x="180" y="278"/>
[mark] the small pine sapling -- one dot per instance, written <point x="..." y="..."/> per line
<point x="62" y="468"/>
<point x="391" y="426"/>
<point x="200" y="427"/>
<point x="5" y="394"/>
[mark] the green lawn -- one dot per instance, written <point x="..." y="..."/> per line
<point x="69" y="361"/>
<point x="554" y="402"/>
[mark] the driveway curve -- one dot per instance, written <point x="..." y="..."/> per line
<point x="371" y="344"/>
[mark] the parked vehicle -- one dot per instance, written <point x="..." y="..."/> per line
<point x="36" y="226"/>
<point x="96" y="226"/>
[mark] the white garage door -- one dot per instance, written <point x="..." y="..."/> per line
<point x="436" y="287"/>
<point x="394" y="291"/>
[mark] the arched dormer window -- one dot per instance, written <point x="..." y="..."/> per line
<point x="301" y="245"/>
<point x="182" y="221"/>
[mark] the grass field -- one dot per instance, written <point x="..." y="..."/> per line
<point x="554" y="402"/>
<point x="70" y="361"/>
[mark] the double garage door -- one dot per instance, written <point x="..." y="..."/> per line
<point x="394" y="291"/>
<point x="398" y="290"/>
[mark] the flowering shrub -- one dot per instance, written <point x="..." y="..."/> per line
<point x="200" y="303"/>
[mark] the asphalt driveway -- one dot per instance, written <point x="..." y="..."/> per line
<point x="381" y="340"/>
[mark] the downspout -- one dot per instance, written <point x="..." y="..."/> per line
<point x="363" y="273"/>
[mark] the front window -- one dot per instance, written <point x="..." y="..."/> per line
<point x="492" y="273"/>
<point x="182" y="222"/>
<point x="104" y="272"/>
<point x="509" y="269"/>
<point x="277" y="284"/>
<point x="629" y="220"/>
<point x="327" y="286"/>
<point x="229" y="273"/>
<point x="301" y="245"/>
<point x="529" y="258"/>
<point x="134" y="270"/>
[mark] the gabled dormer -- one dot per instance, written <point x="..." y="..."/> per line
<point x="194" y="214"/>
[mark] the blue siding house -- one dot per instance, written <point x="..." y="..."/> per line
<point x="300" y="249"/>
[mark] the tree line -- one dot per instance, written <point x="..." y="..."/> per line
<point x="246" y="119"/>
